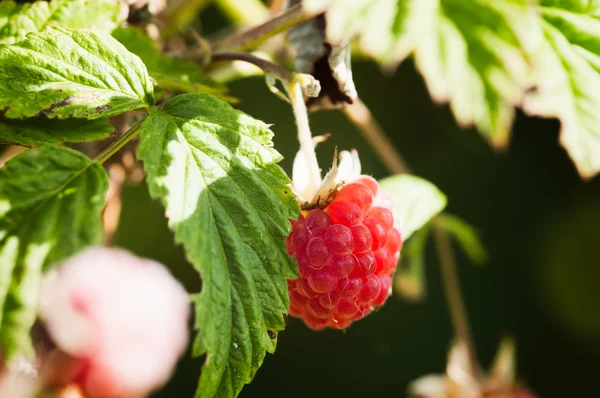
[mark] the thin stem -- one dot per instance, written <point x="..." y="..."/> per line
<point x="267" y="66"/>
<point x="360" y="114"/>
<point x="304" y="135"/>
<point x="254" y="36"/>
<point x="118" y="143"/>
<point x="362" y="117"/>
<point x="456" y="304"/>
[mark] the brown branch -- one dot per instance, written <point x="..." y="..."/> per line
<point x="362" y="117"/>
<point x="254" y="36"/>
<point x="456" y="305"/>
<point x="266" y="66"/>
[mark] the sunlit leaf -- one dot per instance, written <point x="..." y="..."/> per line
<point x="228" y="202"/>
<point x="63" y="73"/>
<point x="50" y="207"/>
<point x="416" y="201"/>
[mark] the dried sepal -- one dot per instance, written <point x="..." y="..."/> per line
<point x="328" y="62"/>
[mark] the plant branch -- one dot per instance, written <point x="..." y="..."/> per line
<point x="456" y="305"/>
<point x="118" y="143"/>
<point x="266" y="66"/>
<point x="254" y="36"/>
<point x="362" y="117"/>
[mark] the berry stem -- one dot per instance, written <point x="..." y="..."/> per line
<point x="456" y="305"/>
<point x="361" y="116"/>
<point x="297" y="86"/>
<point x="295" y="92"/>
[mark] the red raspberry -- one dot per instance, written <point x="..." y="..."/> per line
<point x="346" y="255"/>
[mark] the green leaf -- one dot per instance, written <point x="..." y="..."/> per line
<point x="64" y="73"/>
<point x="42" y="130"/>
<point x="416" y="201"/>
<point x="17" y="20"/>
<point x="216" y="172"/>
<point x="465" y="235"/>
<point x="409" y="280"/>
<point x="50" y="207"/>
<point x="170" y="73"/>
<point x="568" y="78"/>
<point x="470" y="52"/>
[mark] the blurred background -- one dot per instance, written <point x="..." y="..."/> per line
<point x="539" y="222"/>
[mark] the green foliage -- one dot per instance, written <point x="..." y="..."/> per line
<point x="416" y="201"/>
<point x="41" y="130"/>
<point x="568" y="81"/>
<point x="229" y="203"/>
<point x="64" y="73"/>
<point x="215" y="169"/>
<point x="465" y="235"/>
<point x="17" y="20"/>
<point x="487" y="57"/>
<point x="469" y="51"/>
<point x="50" y="203"/>
<point x="168" y="72"/>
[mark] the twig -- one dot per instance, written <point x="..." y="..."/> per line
<point x="361" y="116"/>
<point x="267" y="66"/>
<point x="456" y="304"/>
<point x="254" y="36"/>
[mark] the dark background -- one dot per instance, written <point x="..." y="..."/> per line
<point x="539" y="223"/>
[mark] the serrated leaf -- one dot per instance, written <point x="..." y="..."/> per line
<point x="17" y="20"/>
<point x="168" y="72"/>
<point x="470" y="52"/>
<point x="50" y="207"/>
<point x="63" y="73"/>
<point x="465" y="235"/>
<point x="41" y="130"/>
<point x="416" y="201"/>
<point x="409" y="280"/>
<point x="568" y="79"/>
<point x="216" y="172"/>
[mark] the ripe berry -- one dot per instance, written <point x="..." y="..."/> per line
<point x="346" y="255"/>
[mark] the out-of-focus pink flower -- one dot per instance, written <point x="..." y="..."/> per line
<point x="120" y="320"/>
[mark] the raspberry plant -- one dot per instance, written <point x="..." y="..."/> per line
<point x="82" y="81"/>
